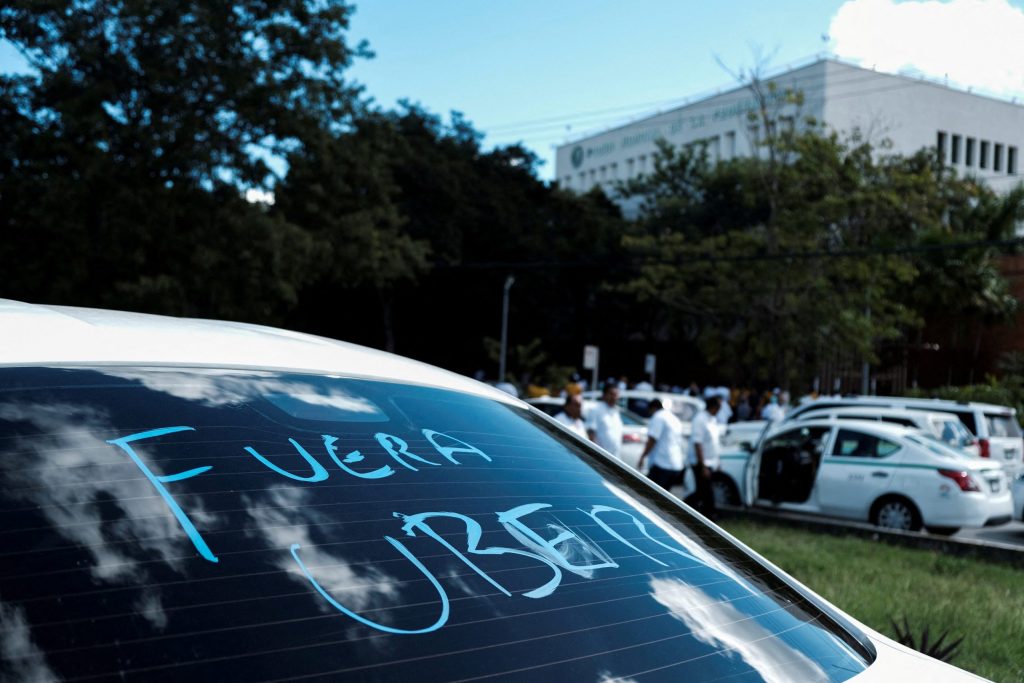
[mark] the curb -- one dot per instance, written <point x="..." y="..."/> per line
<point x="1002" y="553"/>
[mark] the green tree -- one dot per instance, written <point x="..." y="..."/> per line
<point x="128" y="145"/>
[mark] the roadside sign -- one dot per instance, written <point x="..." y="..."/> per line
<point x="650" y="363"/>
<point x="591" y="355"/>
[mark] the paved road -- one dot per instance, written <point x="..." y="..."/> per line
<point x="1012" y="533"/>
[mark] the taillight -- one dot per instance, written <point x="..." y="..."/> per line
<point x="986" y="450"/>
<point x="962" y="479"/>
<point x="631" y="438"/>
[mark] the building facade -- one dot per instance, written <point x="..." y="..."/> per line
<point x="975" y="134"/>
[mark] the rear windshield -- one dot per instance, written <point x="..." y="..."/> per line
<point x="168" y="524"/>
<point x="952" y="432"/>
<point x="1002" y="424"/>
<point x="933" y="444"/>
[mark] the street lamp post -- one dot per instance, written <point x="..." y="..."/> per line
<point x="509" y="281"/>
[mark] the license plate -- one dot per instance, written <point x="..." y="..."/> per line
<point x="994" y="485"/>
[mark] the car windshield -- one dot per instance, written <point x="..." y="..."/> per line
<point x="163" y="524"/>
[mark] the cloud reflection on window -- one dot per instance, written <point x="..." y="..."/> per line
<point x="727" y="629"/>
<point x="64" y="469"/>
<point x="282" y="517"/>
<point x="21" y="660"/>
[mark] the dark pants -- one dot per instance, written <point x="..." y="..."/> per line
<point x="666" y="479"/>
<point x="703" y="499"/>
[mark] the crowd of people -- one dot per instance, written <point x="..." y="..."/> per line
<point x="670" y="458"/>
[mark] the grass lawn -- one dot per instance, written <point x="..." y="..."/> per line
<point x="873" y="581"/>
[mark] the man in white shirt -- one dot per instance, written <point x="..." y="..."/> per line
<point x="773" y="412"/>
<point x="704" y="456"/>
<point x="725" y="411"/>
<point x="571" y="415"/>
<point x="665" y="446"/>
<point x="604" y="423"/>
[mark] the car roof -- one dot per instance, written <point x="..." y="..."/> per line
<point x="938" y="404"/>
<point x="62" y="335"/>
<point x="884" y="411"/>
<point x="886" y="428"/>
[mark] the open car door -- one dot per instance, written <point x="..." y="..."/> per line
<point x="750" y="473"/>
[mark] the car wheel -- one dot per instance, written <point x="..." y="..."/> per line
<point x="724" y="491"/>
<point x="942" y="530"/>
<point x="896" y="513"/>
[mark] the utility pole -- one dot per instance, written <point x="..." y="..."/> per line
<point x="509" y="281"/>
<point x="865" y="368"/>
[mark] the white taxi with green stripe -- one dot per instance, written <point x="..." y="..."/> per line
<point x="885" y="474"/>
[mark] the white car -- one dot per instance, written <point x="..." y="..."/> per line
<point x="634" y="427"/>
<point x="638" y="400"/>
<point x="875" y="472"/>
<point x="946" y="427"/>
<point x="996" y="427"/>
<point x="194" y="500"/>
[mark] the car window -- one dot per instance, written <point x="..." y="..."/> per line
<point x="631" y="418"/>
<point x="1002" y="424"/>
<point x="801" y="438"/>
<point x="967" y="417"/>
<point x="902" y="421"/>
<point x="175" y="524"/>
<point x="952" y="432"/>
<point x="640" y="406"/>
<point x="855" y="444"/>
<point x="684" y="411"/>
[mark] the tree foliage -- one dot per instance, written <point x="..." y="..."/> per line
<point x="128" y="145"/>
<point x="807" y="253"/>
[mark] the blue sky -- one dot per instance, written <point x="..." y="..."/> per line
<point x="538" y="71"/>
<point x="507" y="64"/>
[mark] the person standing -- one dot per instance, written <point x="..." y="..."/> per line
<point x="773" y="412"/>
<point x="665" y="446"/>
<point x="604" y="424"/>
<point x="571" y="415"/>
<point x="744" y="411"/>
<point x="725" y="411"/>
<point x="703" y="456"/>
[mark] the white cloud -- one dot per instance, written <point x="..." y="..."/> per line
<point x="974" y="43"/>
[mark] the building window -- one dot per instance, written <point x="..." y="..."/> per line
<point x="583" y="180"/>
<point x="629" y="168"/>
<point x="615" y="171"/>
<point x="940" y="146"/>
<point x="730" y="144"/>
<point x="715" y="148"/>
<point x="969" y="153"/>
<point x="604" y="173"/>
<point x="954" y="150"/>
<point x="641" y="165"/>
<point x="997" y="157"/>
<point x="1011" y="160"/>
<point x="983" y="154"/>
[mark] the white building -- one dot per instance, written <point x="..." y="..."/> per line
<point x="978" y="135"/>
